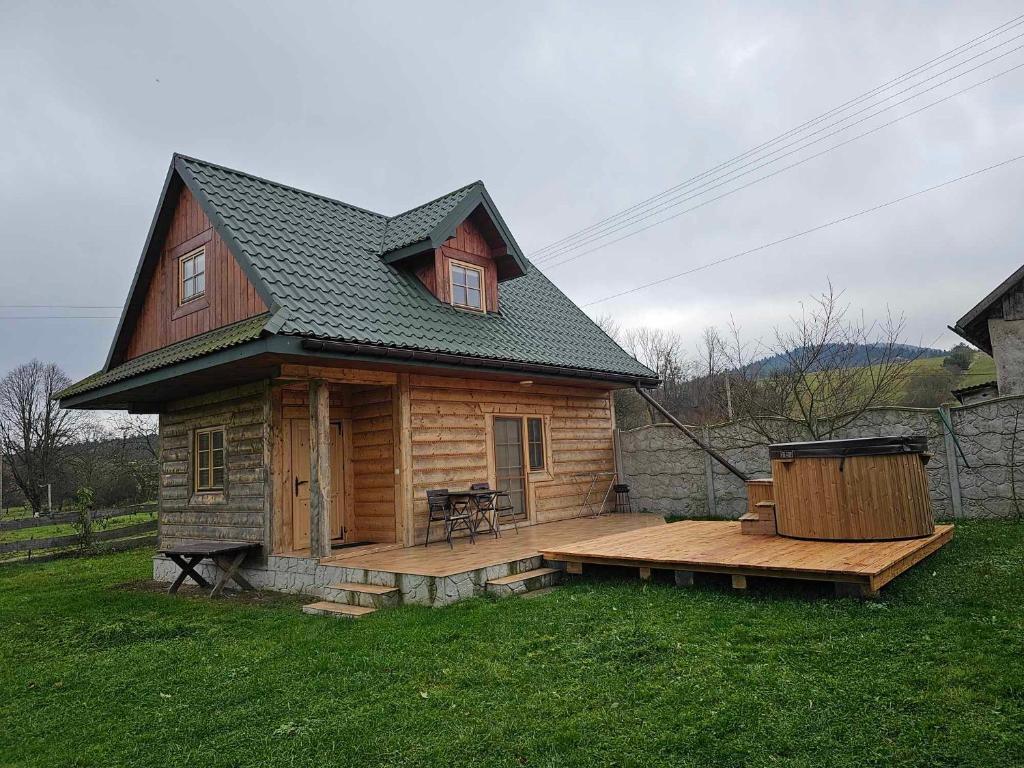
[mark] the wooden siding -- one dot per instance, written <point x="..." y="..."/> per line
<point x="368" y="454"/>
<point x="468" y="245"/>
<point x="230" y="296"/>
<point x="451" y="439"/>
<point x="237" y="514"/>
<point x="373" y="463"/>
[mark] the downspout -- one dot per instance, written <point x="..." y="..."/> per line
<point x="690" y="434"/>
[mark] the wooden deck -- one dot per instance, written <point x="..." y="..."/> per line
<point x="439" y="560"/>
<point x="719" y="547"/>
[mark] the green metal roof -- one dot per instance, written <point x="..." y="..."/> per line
<point x="418" y="224"/>
<point x="322" y="267"/>
<point x="197" y="346"/>
<point x="321" y="261"/>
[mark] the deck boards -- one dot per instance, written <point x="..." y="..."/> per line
<point x="720" y="547"/>
<point x="439" y="560"/>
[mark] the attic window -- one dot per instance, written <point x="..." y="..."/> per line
<point x="467" y="284"/>
<point x="192" y="275"/>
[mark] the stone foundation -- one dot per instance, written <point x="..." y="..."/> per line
<point x="305" y="576"/>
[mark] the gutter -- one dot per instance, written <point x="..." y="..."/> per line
<point x="443" y="358"/>
<point x="690" y="434"/>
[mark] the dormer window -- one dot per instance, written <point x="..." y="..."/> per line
<point x="467" y="286"/>
<point x="192" y="275"/>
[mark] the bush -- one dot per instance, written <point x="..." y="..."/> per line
<point x="83" y="522"/>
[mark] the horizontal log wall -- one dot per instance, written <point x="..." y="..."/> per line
<point x="239" y="513"/>
<point x="373" y="463"/>
<point x="451" y="446"/>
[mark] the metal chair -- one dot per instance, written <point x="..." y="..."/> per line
<point x="622" y="500"/>
<point x="437" y="509"/>
<point x="441" y="508"/>
<point x="503" y="508"/>
<point x="486" y="510"/>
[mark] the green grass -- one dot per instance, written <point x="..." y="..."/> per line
<point x="983" y="369"/>
<point x="608" y="672"/>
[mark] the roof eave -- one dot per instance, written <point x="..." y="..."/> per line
<point x="143" y="259"/>
<point x="478" y="196"/>
<point x="982" y="306"/>
<point x="445" y="229"/>
<point x="982" y="342"/>
<point x="422" y="357"/>
<point x="211" y="360"/>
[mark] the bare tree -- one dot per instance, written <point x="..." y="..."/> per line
<point x="34" y="431"/>
<point x="610" y="326"/>
<point x="820" y="373"/>
<point x="661" y="351"/>
<point x="140" y="430"/>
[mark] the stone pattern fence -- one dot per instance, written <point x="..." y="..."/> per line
<point x="976" y="469"/>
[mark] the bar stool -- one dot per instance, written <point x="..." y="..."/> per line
<point x="622" y="501"/>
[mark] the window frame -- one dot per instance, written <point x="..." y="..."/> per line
<point x="197" y="485"/>
<point x="466" y="266"/>
<point x="530" y="442"/>
<point x="191" y="255"/>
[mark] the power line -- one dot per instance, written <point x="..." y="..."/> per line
<point x="784" y="168"/>
<point x="60" y="306"/>
<point x="868" y="94"/>
<point x="796" y="235"/>
<point x="59" y="317"/>
<point x="615" y="226"/>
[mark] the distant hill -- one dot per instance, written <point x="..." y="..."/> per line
<point x="861" y="355"/>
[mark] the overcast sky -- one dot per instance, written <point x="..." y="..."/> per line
<point x="568" y="111"/>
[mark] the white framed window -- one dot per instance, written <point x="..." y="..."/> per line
<point x="192" y="275"/>
<point x="467" y="285"/>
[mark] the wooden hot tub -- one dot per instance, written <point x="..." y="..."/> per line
<point x="852" y="490"/>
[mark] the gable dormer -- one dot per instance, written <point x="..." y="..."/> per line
<point x="458" y="247"/>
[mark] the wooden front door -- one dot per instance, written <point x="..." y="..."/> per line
<point x="509" y="466"/>
<point x="299" y="491"/>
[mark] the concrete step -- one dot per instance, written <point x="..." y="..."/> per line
<point x="336" y="610"/>
<point x="365" y="595"/>
<point x="527" y="581"/>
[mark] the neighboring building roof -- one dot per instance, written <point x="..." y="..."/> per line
<point x="197" y="346"/>
<point x="321" y="263"/>
<point x="964" y="393"/>
<point x="973" y="326"/>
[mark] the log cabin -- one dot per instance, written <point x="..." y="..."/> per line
<point x="317" y="367"/>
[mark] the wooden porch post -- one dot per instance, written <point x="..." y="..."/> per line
<point x="319" y="468"/>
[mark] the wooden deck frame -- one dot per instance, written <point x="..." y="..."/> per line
<point x="715" y="547"/>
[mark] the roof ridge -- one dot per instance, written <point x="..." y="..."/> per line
<point x="436" y="199"/>
<point x="281" y="185"/>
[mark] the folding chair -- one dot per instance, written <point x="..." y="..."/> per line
<point x="503" y="509"/>
<point x="485" y="508"/>
<point x="437" y="509"/>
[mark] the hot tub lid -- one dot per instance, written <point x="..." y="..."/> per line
<point x="863" y="446"/>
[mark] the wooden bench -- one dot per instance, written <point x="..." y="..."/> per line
<point x="226" y="555"/>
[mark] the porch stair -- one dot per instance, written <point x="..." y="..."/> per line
<point x="527" y="581"/>
<point x="374" y="596"/>
<point x="337" y="610"/>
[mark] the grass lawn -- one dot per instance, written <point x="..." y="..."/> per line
<point x="602" y="672"/>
